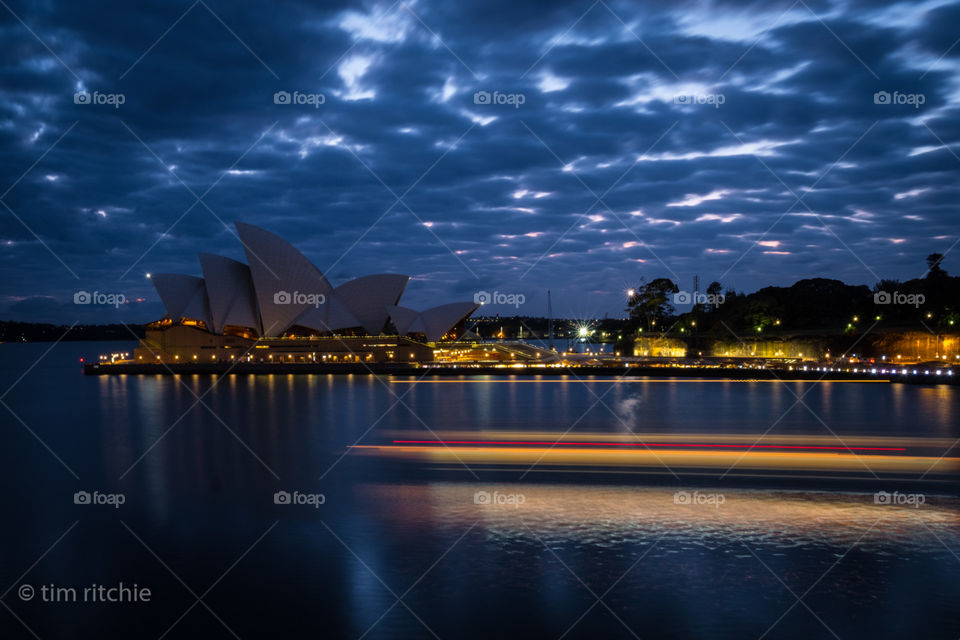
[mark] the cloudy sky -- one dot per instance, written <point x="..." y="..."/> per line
<point x="489" y="146"/>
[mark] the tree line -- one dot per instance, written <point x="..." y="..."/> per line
<point x="815" y="304"/>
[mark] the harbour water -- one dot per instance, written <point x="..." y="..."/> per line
<point x="245" y="516"/>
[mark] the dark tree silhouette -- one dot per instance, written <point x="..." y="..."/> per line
<point x="934" y="270"/>
<point x="651" y="301"/>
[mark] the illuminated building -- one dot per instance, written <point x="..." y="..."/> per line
<point x="279" y="307"/>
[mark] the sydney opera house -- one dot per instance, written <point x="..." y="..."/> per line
<point x="279" y="307"/>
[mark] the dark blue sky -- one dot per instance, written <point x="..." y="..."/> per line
<point x="653" y="140"/>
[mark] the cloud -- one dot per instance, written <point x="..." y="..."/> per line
<point x="351" y="71"/>
<point x="598" y="176"/>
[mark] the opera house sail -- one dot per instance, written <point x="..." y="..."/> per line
<point x="279" y="307"/>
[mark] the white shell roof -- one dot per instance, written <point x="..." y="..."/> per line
<point x="281" y="287"/>
<point x="277" y="268"/>
<point x="183" y="296"/>
<point x="366" y="298"/>
<point x="329" y="316"/>
<point x="230" y="292"/>
<point x="405" y="320"/>
<point x="438" y="320"/>
<point x="434" y="322"/>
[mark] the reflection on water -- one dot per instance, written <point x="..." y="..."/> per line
<point x="604" y="515"/>
<point x="679" y="570"/>
<point x="199" y="480"/>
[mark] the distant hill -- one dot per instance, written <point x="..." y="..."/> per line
<point x="37" y="332"/>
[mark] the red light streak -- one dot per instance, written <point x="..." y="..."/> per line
<point x="650" y="444"/>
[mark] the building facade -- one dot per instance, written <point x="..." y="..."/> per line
<point x="279" y="307"/>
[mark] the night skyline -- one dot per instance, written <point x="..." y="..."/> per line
<point x="749" y="144"/>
